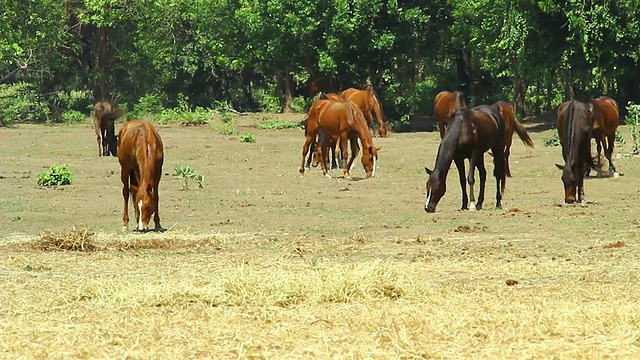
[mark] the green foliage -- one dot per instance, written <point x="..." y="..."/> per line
<point x="225" y="128"/>
<point x="198" y="116"/>
<point x="272" y="124"/>
<point x="620" y="141"/>
<point x="633" y="124"/>
<point x="20" y="102"/>
<point x="552" y="140"/>
<point x="225" y="111"/>
<point x="148" y="105"/>
<point x="56" y="175"/>
<point x="79" y="100"/>
<point x="72" y="117"/>
<point x="247" y="138"/>
<point x="186" y="173"/>
<point x="268" y="101"/>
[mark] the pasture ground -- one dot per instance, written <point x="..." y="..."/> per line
<point x="262" y="263"/>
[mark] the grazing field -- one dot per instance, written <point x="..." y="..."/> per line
<point x="263" y="263"/>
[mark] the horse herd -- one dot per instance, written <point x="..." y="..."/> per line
<point x="342" y="119"/>
<point x="466" y="133"/>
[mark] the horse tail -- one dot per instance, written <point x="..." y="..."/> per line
<point x="522" y="133"/>
<point x="112" y="115"/>
<point x="460" y="99"/>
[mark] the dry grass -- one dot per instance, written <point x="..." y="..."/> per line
<point x="75" y="240"/>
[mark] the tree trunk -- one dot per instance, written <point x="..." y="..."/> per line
<point x="519" y="94"/>
<point x="285" y="89"/>
<point x="102" y="60"/>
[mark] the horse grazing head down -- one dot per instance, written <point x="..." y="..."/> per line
<point x="436" y="187"/>
<point x="370" y="160"/>
<point x="140" y="153"/>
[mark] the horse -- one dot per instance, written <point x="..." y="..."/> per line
<point x="511" y="124"/>
<point x="370" y="105"/>
<point x="470" y="133"/>
<point x="605" y="113"/>
<point x="444" y="105"/>
<point x="575" y="126"/>
<point x="140" y="153"/>
<point x="337" y="119"/>
<point x="104" y="116"/>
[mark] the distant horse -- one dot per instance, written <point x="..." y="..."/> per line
<point x="444" y="105"/>
<point x="470" y="133"/>
<point x="511" y="124"/>
<point x="337" y="119"/>
<point x="140" y="154"/>
<point x="605" y="117"/>
<point x="575" y="127"/>
<point x="370" y="105"/>
<point x="104" y="117"/>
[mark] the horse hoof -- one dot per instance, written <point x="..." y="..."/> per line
<point x="327" y="176"/>
<point x="125" y="229"/>
<point x="616" y="175"/>
<point x="472" y="205"/>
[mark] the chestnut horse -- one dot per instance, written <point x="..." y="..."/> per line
<point x="471" y="132"/>
<point x="370" y="105"/>
<point x="511" y="124"/>
<point x="104" y="117"/>
<point x="140" y="154"/>
<point x="605" y="117"/>
<point x="444" y="105"/>
<point x="575" y="126"/>
<point x="337" y="119"/>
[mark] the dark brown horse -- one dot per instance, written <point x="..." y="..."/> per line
<point x="337" y="119"/>
<point x="104" y="117"/>
<point x="511" y="124"/>
<point x="605" y="117"/>
<point x="471" y="132"/>
<point x="575" y="127"/>
<point x="140" y="154"/>
<point x="444" y="105"/>
<point x="370" y="105"/>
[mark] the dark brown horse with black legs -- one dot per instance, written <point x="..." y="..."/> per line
<point x="104" y="117"/>
<point x="140" y="153"/>
<point x="575" y="125"/>
<point x="470" y="133"/>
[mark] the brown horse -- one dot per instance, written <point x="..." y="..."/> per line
<point x="605" y="117"/>
<point x="104" y="117"/>
<point x="444" y="105"/>
<point x="471" y="132"/>
<point x="575" y="125"/>
<point x="511" y="124"/>
<point x="337" y="119"/>
<point x="370" y="105"/>
<point x="140" y="154"/>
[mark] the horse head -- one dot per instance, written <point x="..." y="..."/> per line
<point x="570" y="184"/>
<point x="316" y="157"/>
<point x="370" y="159"/>
<point x="146" y="204"/>
<point x="436" y="187"/>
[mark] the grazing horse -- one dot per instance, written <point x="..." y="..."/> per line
<point x="575" y="126"/>
<point x="444" y="105"/>
<point x="605" y="117"/>
<point x="337" y="119"/>
<point x="140" y="154"/>
<point x="511" y="124"/>
<point x="370" y="105"/>
<point x="471" y="132"/>
<point x="104" y="116"/>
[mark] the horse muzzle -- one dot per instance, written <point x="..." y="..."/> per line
<point x="430" y="209"/>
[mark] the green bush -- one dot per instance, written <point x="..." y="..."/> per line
<point x="72" y="117"/>
<point x="247" y="138"/>
<point x="148" y="105"/>
<point x="620" y="141"/>
<point x="225" y="129"/>
<point x="552" y="140"/>
<point x="80" y="100"/>
<point x="633" y="123"/>
<point x="56" y="175"/>
<point x="199" y="116"/>
<point x="20" y="102"/>
<point x="273" y="124"/>
<point x="186" y="173"/>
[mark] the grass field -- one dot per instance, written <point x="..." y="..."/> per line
<point x="263" y="263"/>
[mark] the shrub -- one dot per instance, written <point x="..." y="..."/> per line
<point x="80" y="100"/>
<point x="20" y="102"/>
<point x="633" y="122"/>
<point x="56" y="175"/>
<point x="552" y="140"/>
<point x="148" y="105"/>
<point x="72" y="117"/>
<point x="199" y="116"/>
<point x="186" y="173"/>
<point x="620" y="141"/>
<point x="273" y="124"/>
<point x="247" y="138"/>
<point x="225" y="129"/>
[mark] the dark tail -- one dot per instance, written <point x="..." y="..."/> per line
<point x="522" y="133"/>
<point x="112" y="115"/>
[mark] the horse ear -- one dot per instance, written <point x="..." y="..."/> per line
<point x="378" y="148"/>
<point x="560" y="166"/>
<point x="427" y="170"/>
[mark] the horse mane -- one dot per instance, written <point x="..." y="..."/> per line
<point x="569" y="136"/>
<point x="448" y="145"/>
<point x="375" y="95"/>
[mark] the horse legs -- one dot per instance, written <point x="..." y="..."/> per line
<point x="311" y="136"/>
<point x="600" y="142"/>
<point x="499" y="173"/>
<point x="482" y="172"/>
<point x="355" y="149"/>
<point x="156" y="183"/>
<point x="124" y="177"/>
<point x="463" y="183"/>
<point x="324" y="155"/>
<point x="344" y="139"/>
<point x="473" y="160"/>
<point x="507" y="153"/>
<point x="608" y="152"/>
